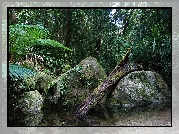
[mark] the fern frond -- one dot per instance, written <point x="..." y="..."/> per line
<point x="17" y="71"/>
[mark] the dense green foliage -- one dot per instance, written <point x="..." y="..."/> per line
<point x="101" y="33"/>
<point x="21" y="38"/>
<point x="32" y="40"/>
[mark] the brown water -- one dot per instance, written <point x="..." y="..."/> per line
<point x="157" y="114"/>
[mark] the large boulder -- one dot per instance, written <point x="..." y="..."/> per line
<point x="31" y="102"/>
<point x="72" y="87"/>
<point x="140" y="87"/>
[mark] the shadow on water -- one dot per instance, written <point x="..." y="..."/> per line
<point x="156" y="114"/>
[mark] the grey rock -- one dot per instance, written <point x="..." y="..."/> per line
<point x="140" y="87"/>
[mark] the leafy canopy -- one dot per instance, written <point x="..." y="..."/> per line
<point x="24" y="38"/>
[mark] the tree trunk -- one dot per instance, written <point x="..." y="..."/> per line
<point x="68" y="27"/>
<point x="107" y="86"/>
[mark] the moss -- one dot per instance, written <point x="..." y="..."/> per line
<point x="117" y="75"/>
<point x="39" y="82"/>
<point x="78" y="82"/>
<point x="42" y="83"/>
<point x="31" y="101"/>
<point x="141" y="86"/>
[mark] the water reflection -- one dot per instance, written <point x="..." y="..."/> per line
<point x="25" y="119"/>
<point x="156" y="114"/>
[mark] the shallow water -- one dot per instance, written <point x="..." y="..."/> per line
<point x="156" y="114"/>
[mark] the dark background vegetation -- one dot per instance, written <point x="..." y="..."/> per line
<point x="55" y="40"/>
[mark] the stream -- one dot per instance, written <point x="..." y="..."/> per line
<point x="156" y="114"/>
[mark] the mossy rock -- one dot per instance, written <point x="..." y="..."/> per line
<point x="31" y="102"/>
<point x="92" y="69"/>
<point x="39" y="82"/>
<point x="141" y="87"/>
<point x="72" y="87"/>
<point x="42" y="83"/>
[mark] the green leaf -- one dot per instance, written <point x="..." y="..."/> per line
<point x="49" y="42"/>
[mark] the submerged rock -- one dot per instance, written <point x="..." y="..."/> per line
<point x="141" y="87"/>
<point x="72" y="87"/>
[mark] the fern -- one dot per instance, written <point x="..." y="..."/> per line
<point x="19" y="72"/>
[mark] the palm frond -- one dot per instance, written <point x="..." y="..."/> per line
<point x="49" y="42"/>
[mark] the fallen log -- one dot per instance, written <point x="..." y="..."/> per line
<point x="122" y="69"/>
